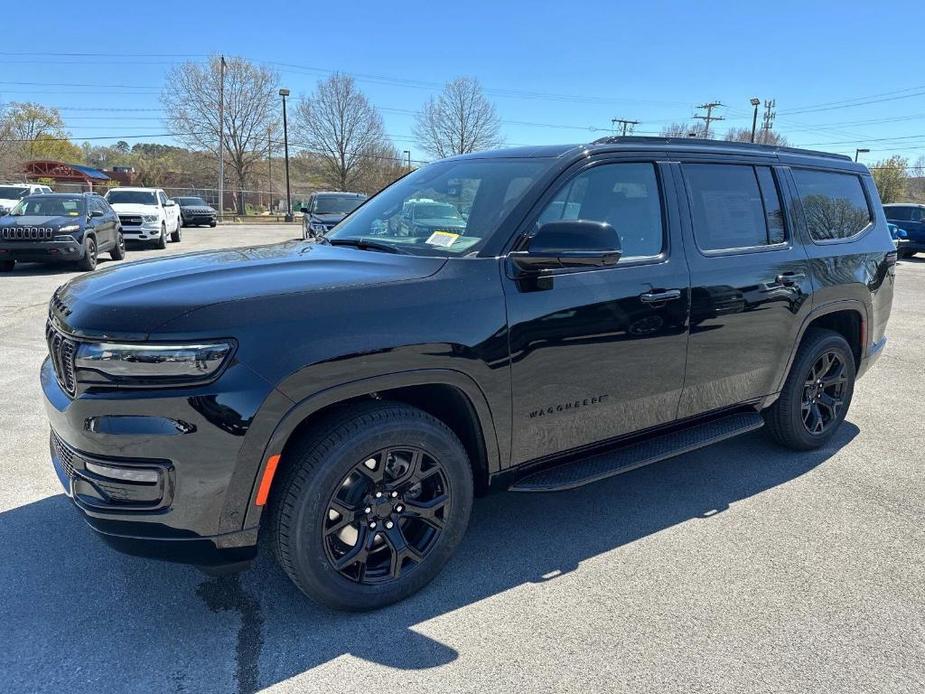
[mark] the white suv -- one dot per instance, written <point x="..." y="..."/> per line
<point x="146" y="214"/>
<point x="12" y="193"/>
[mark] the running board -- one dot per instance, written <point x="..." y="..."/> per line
<point x="615" y="462"/>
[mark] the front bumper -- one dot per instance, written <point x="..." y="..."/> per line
<point x="190" y="438"/>
<point x="910" y="246"/>
<point x="199" y="218"/>
<point x="141" y="233"/>
<point x="63" y="251"/>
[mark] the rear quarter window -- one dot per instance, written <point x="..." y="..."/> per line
<point x="834" y="204"/>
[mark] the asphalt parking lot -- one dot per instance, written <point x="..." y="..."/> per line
<point x="738" y="568"/>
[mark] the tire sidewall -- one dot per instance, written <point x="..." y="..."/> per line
<point x="307" y="552"/>
<point x="831" y="342"/>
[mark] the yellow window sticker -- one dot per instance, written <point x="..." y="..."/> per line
<point x="443" y="239"/>
<point x="73" y="213"/>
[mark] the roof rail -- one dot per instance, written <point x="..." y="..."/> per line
<point x="687" y="141"/>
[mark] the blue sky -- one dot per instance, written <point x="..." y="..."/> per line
<point x="844" y="74"/>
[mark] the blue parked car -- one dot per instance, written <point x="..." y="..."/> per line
<point x="911" y="218"/>
<point x="898" y="235"/>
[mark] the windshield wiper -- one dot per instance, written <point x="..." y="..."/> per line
<point x="363" y="245"/>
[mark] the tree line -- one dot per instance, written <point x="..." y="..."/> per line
<point x="337" y="136"/>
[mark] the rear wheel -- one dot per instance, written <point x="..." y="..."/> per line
<point x="371" y="505"/>
<point x="88" y="262"/>
<point x="175" y="236"/>
<point x="118" y="251"/>
<point x="817" y="393"/>
<point x="7" y="265"/>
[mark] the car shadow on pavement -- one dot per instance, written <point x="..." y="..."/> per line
<point x="80" y="617"/>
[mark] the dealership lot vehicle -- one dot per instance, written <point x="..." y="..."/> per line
<point x="776" y="551"/>
<point x="11" y="193"/>
<point x="325" y="210"/>
<point x="146" y="214"/>
<point x="196" y="212"/>
<point x="650" y="322"/>
<point x="911" y="218"/>
<point x="60" y="228"/>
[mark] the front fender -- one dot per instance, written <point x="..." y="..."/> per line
<point x="280" y="417"/>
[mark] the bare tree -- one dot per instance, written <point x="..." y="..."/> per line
<point x="191" y="99"/>
<point x="682" y="130"/>
<point x="458" y="121"/>
<point x="763" y="137"/>
<point x="342" y="129"/>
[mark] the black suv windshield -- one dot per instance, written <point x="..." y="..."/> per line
<point x="137" y="197"/>
<point x="336" y="204"/>
<point x="446" y="208"/>
<point x="190" y="202"/>
<point x="49" y="206"/>
<point x="12" y="192"/>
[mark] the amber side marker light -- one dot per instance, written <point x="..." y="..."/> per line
<point x="264" y="490"/>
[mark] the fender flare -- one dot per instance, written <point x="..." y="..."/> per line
<point x="832" y="307"/>
<point x="315" y="402"/>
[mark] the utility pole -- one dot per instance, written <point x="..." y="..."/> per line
<point x="625" y="123"/>
<point x="756" y="103"/>
<point x="270" y="168"/>
<point x="221" y="141"/>
<point x="284" y="93"/>
<point x="407" y="153"/>
<point x="709" y="118"/>
<point x="767" y="121"/>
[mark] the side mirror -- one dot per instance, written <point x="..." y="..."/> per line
<point x="96" y="213"/>
<point x="570" y="243"/>
<point x="170" y="203"/>
<point x="303" y="210"/>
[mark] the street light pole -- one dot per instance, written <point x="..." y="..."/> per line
<point x="859" y="151"/>
<point x="755" y="103"/>
<point x="221" y="140"/>
<point x="407" y="153"/>
<point x="284" y="93"/>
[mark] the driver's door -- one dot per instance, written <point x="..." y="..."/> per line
<point x="593" y="356"/>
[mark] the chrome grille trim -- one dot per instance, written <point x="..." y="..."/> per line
<point x="27" y="233"/>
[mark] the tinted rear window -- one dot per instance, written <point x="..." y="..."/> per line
<point x="734" y="206"/>
<point x="834" y="203"/>
<point x="900" y="213"/>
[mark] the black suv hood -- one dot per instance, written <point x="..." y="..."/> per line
<point x="328" y="218"/>
<point x="131" y="300"/>
<point x="37" y="221"/>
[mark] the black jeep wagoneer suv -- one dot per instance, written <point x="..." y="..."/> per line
<point x="605" y="306"/>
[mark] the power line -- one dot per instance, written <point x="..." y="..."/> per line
<point x="709" y="117"/>
<point x="626" y="124"/>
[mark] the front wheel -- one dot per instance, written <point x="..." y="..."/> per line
<point x="817" y="393"/>
<point x="371" y="504"/>
<point x="88" y="262"/>
<point x="176" y="234"/>
<point x="161" y="241"/>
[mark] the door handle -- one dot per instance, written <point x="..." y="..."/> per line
<point x="790" y="277"/>
<point x="658" y="297"/>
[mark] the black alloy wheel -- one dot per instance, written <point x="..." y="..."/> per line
<point x="386" y="515"/>
<point x="118" y="251"/>
<point x="823" y="392"/>
<point x="88" y="262"/>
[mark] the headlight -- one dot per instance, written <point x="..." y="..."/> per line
<point x="69" y="229"/>
<point x="107" y="363"/>
<point x="317" y="226"/>
<point x="149" y="217"/>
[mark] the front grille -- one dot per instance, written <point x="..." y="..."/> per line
<point x="58" y="304"/>
<point x="130" y="220"/>
<point x="62" y="350"/>
<point x="27" y="234"/>
<point x="64" y="455"/>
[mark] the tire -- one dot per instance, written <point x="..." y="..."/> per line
<point x="7" y="265"/>
<point x="118" y="251"/>
<point x="176" y="235"/>
<point x="803" y="417"/>
<point x="88" y="262"/>
<point x="313" y="475"/>
<point x="212" y="224"/>
<point x="162" y="239"/>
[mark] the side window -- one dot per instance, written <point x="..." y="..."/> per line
<point x="99" y="206"/>
<point x="734" y="206"/>
<point x="917" y="214"/>
<point x="626" y="196"/>
<point x="903" y="214"/>
<point x="834" y="203"/>
<point x="162" y="198"/>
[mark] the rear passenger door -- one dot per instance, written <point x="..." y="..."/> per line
<point x="599" y="352"/>
<point x="750" y="281"/>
